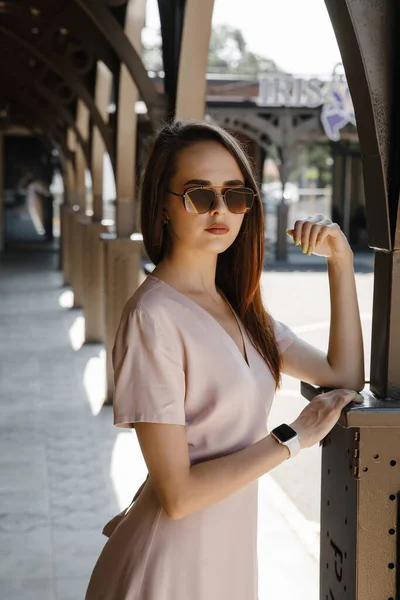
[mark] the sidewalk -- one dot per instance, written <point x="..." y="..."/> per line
<point x="65" y="470"/>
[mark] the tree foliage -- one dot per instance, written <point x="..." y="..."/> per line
<point x="228" y="53"/>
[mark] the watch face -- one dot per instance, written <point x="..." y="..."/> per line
<point x="284" y="432"/>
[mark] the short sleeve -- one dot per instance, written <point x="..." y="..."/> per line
<point x="149" y="379"/>
<point x="283" y="334"/>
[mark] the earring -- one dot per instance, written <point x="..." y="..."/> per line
<point x="165" y="220"/>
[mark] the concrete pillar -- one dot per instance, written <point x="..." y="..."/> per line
<point x="93" y="250"/>
<point x="123" y="272"/>
<point x="283" y="208"/>
<point x="347" y="189"/>
<point x="123" y="276"/>
<point x="104" y="80"/>
<point x="94" y="282"/>
<point x="358" y="229"/>
<point x="80" y="225"/>
<point x="82" y="123"/>
<point x="337" y="188"/>
<point x="66" y="214"/>
<point x="79" y="217"/>
<point x="193" y="63"/>
<point x="125" y="177"/>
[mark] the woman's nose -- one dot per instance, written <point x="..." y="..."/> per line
<point x="219" y="205"/>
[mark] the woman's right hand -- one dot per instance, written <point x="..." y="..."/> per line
<point x="321" y="415"/>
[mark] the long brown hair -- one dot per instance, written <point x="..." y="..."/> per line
<point x="239" y="268"/>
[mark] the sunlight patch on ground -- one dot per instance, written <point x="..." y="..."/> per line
<point x="76" y="333"/>
<point x="94" y="381"/>
<point x="66" y="300"/>
<point x="127" y="467"/>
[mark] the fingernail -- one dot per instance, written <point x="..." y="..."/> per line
<point x="310" y="249"/>
<point x="304" y="248"/>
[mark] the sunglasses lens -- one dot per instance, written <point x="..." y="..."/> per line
<point x="239" y="200"/>
<point x="199" y="201"/>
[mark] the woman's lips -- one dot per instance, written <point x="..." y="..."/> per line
<point x="218" y="230"/>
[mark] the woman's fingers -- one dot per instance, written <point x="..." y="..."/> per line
<point x="305" y="236"/>
<point x="312" y="242"/>
<point x="310" y="232"/>
<point x="301" y="231"/>
<point x="327" y="229"/>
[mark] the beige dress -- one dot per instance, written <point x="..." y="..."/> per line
<point x="174" y="363"/>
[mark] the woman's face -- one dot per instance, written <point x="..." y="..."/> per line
<point x="209" y="164"/>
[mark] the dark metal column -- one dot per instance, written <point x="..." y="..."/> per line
<point x="171" y="19"/>
<point x="361" y="455"/>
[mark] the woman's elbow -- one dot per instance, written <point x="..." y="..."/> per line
<point x="351" y="382"/>
<point x="173" y="507"/>
<point x="360" y="386"/>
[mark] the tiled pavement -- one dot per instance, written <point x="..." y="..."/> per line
<point x="55" y="492"/>
<point x="65" y="470"/>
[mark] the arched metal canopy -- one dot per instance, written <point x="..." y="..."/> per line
<point x="49" y="51"/>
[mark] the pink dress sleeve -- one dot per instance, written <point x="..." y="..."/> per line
<point x="149" y="379"/>
<point x="284" y="335"/>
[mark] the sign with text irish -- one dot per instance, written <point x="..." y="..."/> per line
<point x="333" y="96"/>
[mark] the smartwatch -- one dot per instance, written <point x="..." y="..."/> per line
<point x="288" y="437"/>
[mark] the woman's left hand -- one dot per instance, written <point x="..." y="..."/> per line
<point x="318" y="235"/>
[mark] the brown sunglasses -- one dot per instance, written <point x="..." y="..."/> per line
<point x="199" y="200"/>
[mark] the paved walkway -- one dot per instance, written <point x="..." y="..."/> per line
<point x="65" y="470"/>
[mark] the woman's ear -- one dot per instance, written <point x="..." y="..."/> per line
<point x="165" y="217"/>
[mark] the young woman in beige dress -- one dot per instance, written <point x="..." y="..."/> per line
<point x="197" y="360"/>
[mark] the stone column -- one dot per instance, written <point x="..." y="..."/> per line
<point x="79" y="216"/>
<point x="93" y="290"/>
<point x="67" y="212"/>
<point x="123" y="271"/>
<point x="193" y="63"/>
<point x="124" y="274"/>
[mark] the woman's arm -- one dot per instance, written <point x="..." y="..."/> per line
<point x="346" y="349"/>
<point x="183" y="489"/>
<point x="343" y="365"/>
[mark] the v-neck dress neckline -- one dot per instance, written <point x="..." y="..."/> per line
<point x="245" y="358"/>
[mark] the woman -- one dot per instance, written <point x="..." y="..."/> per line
<point x="197" y="360"/>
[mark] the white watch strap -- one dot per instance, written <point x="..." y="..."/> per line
<point x="294" y="446"/>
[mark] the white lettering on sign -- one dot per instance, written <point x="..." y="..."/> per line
<point x="333" y="96"/>
<point x="285" y="90"/>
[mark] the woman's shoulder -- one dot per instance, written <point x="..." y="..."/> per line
<point x="151" y="315"/>
<point x="152" y="300"/>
